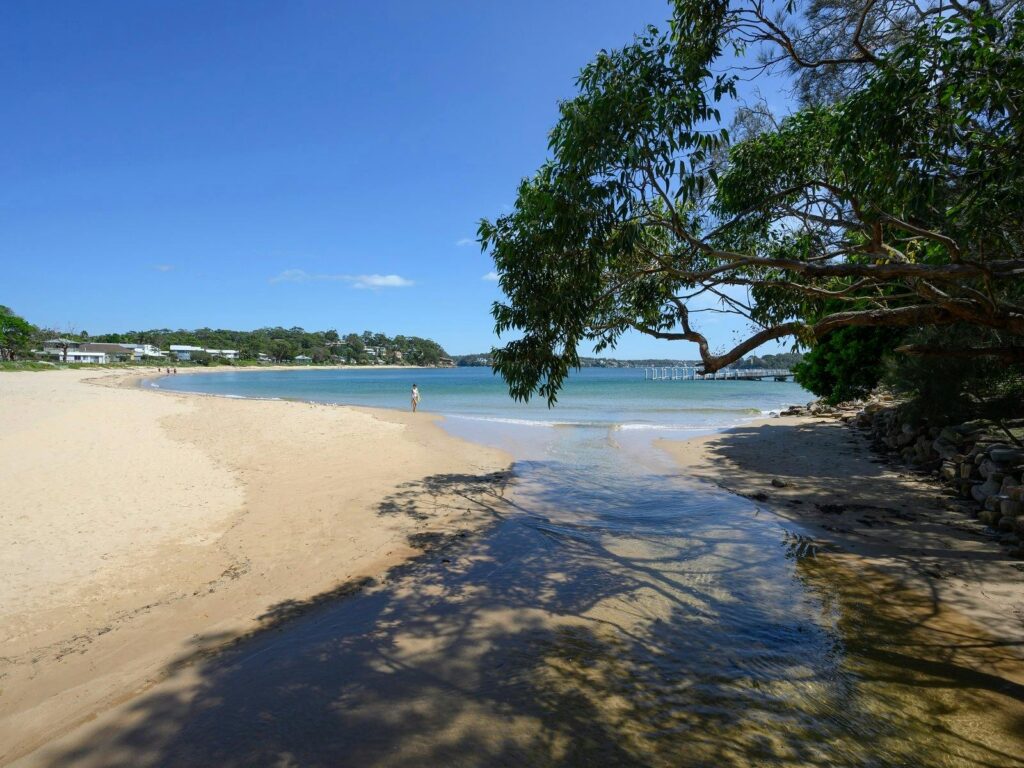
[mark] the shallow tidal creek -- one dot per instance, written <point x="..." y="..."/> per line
<point x="610" y="613"/>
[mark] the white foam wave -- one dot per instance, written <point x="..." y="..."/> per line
<point x="517" y="422"/>
<point x="629" y="426"/>
<point x="665" y="427"/>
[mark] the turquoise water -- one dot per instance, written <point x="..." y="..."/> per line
<point x="593" y="397"/>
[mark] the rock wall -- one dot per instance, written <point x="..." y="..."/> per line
<point x="982" y="462"/>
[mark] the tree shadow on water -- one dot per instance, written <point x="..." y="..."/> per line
<point x="556" y="638"/>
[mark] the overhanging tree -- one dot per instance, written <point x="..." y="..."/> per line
<point x="892" y="198"/>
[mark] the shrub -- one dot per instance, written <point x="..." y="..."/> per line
<point x="846" y="364"/>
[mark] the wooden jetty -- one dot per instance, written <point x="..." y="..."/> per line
<point x="687" y="373"/>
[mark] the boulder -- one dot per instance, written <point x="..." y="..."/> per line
<point x="1006" y="455"/>
<point x="992" y="502"/>
<point x="950" y="435"/>
<point x="982" y="491"/>
<point x="1010" y="508"/>
<point x="905" y="438"/>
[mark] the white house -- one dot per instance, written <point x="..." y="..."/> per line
<point x="83" y="356"/>
<point x="184" y="351"/>
<point x="75" y="355"/>
<point x="56" y="348"/>
<point x="59" y="345"/>
<point x="304" y="359"/>
<point x="227" y="354"/>
<point x="140" y="351"/>
<point x="90" y="351"/>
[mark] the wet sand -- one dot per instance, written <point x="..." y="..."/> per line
<point x="821" y="473"/>
<point x="137" y="522"/>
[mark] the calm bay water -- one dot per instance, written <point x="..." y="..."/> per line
<point x="615" y="613"/>
<point x="593" y="397"/>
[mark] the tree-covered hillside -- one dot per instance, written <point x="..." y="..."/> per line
<point x="18" y="338"/>
<point x="288" y="343"/>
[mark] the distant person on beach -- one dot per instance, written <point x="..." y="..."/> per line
<point x="415" y="397"/>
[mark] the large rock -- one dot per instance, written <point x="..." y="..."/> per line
<point x="950" y="435"/>
<point x="989" y="468"/>
<point x="982" y="491"/>
<point x="992" y="502"/>
<point x="1006" y="455"/>
<point x="1010" y="508"/>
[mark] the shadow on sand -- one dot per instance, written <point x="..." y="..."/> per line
<point x="599" y="626"/>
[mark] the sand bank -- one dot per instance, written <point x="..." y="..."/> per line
<point x="822" y="474"/>
<point x="138" y="524"/>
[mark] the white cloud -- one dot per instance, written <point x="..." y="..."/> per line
<point x="378" y="281"/>
<point x="357" y="281"/>
<point x="463" y="241"/>
<point x="491" y="276"/>
<point x="163" y="267"/>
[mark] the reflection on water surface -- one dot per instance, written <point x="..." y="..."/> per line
<point x="612" y="615"/>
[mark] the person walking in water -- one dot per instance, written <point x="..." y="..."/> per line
<point x="415" y="397"/>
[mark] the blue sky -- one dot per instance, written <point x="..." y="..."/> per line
<point x="245" y="164"/>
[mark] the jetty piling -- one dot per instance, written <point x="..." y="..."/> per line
<point x="691" y="373"/>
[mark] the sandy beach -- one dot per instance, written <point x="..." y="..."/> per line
<point x="149" y="530"/>
<point x="143" y="528"/>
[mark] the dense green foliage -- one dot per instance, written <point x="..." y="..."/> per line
<point x="846" y="364"/>
<point x="284" y="344"/>
<point x="787" y="360"/>
<point x="15" y="334"/>
<point x="947" y="388"/>
<point x="18" y="337"/>
<point x="892" y="196"/>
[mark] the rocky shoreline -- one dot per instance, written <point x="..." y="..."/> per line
<point x="979" y="463"/>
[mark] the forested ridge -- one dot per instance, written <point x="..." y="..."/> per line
<point x="18" y="337"/>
